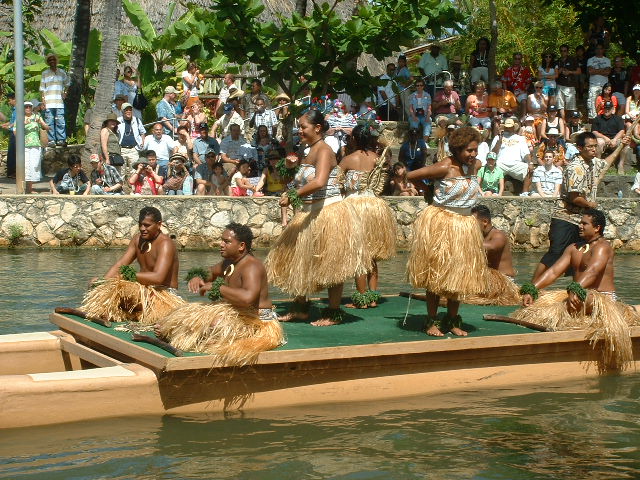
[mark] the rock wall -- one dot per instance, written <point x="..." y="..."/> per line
<point x="196" y="222"/>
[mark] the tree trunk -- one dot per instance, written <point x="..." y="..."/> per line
<point x="81" y="29"/>
<point x="111" y="19"/>
<point x="301" y="7"/>
<point x="493" y="17"/>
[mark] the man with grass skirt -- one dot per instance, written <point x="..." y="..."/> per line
<point x="241" y="322"/>
<point x="143" y="296"/>
<point x="590" y="301"/>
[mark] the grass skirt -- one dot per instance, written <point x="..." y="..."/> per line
<point x="318" y="248"/>
<point x="121" y="300"/>
<point x="501" y="291"/>
<point x="234" y="336"/>
<point x="378" y="225"/>
<point x="607" y="325"/>
<point x="447" y="257"/>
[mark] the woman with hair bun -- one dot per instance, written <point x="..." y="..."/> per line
<point x="447" y="257"/>
<point x="323" y="244"/>
<point x="363" y="176"/>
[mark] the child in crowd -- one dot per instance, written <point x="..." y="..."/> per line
<point x="547" y="178"/>
<point x="240" y="183"/>
<point x="399" y="183"/>
<point x="528" y="131"/>
<point x="219" y="180"/>
<point x="274" y="179"/>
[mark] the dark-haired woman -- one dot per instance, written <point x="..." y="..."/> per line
<point x="480" y="61"/>
<point x="363" y="176"/>
<point x="447" y="257"/>
<point x="323" y="245"/>
<point x="548" y="73"/>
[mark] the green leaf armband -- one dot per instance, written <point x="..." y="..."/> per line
<point x="214" y="294"/>
<point x="294" y="199"/>
<point x="283" y="171"/>
<point x="127" y="272"/>
<point x="530" y="289"/>
<point x="578" y="289"/>
<point x="197" y="272"/>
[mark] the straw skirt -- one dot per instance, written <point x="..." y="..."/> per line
<point x="121" y="300"/>
<point x="447" y="257"/>
<point x="607" y="324"/>
<point x="234" y="336"/>
<point x="501" y="290"/>
<point x="319" y="248"/>
<point x="378" y="225"/>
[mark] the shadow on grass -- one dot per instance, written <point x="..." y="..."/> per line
<point x="417" y="323"/>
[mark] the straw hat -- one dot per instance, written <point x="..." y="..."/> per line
<point x="282" y="96"/>
<point x="235" y="94"/>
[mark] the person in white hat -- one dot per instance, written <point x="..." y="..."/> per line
<point x="166" y="111"/>
<point x="513" y="153"/>
<point x="632" y="107"/>
<point x="53" y="88"/>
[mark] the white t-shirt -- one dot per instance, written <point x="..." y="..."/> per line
<point x="187" y="86"/>
<point x="598" y="63"/>
<point x="163" y="147"/>
<point x="513" y="150"/>
<point x="387" y="88"/>
<point x="234" y="180"/>
<point x="483" y="151"/>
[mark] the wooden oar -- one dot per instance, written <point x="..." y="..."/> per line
<point x="503" y="318"/>
<point x="158" y="343"/>
<point x="79" y="313"/>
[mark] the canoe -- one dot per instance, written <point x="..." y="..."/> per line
<point x="83" y="371"/>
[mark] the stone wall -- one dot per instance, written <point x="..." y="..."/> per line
<point x="196" y="222"/>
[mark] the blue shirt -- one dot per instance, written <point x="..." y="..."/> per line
<point x="166" y="110"/>
<point x="202" y="147"/>
<point x="419" y="154"/>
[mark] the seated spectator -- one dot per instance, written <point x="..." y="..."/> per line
<point x="528" y="131"/>
<point x="573" y="127"/>
<point x="240" y="183"/>
<point x="606" y="96"/>
<point x="478" y="107"/>
<point x="537" y="106"/>
<point x="399" y="183"/>
<point x="204" y="144"/>
<point x="413" y="152"/>
<point x="272" y="184"/>
<point x="222" y="127"/>
<point x="632" y="107"/>
<point x="105" y="179"/>
<point x="184" y="145"/>
<point x="202" y="177"/>
<point x="71" y="180"/>
<point x="265" y="117"/>
<point x="341" y="123"/>
<point x="152" y="160"/>
<point x="552" y="120"/>
<point x="263" y="145"/>
<point x="447" y="101"/>
<point x="160" y="143"/>
<point x="491" y="178"/>
<point x="179" y="181"/>
<point x="513" y="154"/>
<point x="503" y="103"/>
<point x="144" y="180"/>
<point x="420" y="110"/>
<point x="608" y="129"/>
<point x="636" y="184"/>
<point x="220" y="180"/>
<point x="547" y="178"/>
<point x="234" y="148"/>
<point x="553" y="146"/>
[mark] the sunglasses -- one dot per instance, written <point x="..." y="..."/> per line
<point x="419" y="84"/>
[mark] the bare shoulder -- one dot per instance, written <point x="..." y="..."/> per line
<point x="166" y="242"/>
<point x="603" y="248"/>
<point x="499" y="237"/>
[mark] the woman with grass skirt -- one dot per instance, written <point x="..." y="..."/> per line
<point x="362" y="177"/>
<point x="447" y="257"/>
<point x="323" y="244"/>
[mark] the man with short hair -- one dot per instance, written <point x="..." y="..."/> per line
<point x="496" y="242"/>
<point x="53" y="88"/>
<point x="166" y="111"/>
<point x="223" y="124"/>
<point x="160" y="143"/>
<point x="431" y="65"/>
<point x="599" y="68"/>
<point x="568" y="72"/>
<point x="609" y="130"/>
<point x="514" y="158"/>
<point x="249" y="101"/>
<point x="387" y="100"/>
<point x="262" y="116"/>
<point x="131" y="134"/>
<point x="619" y="79"/>
<point x="71" y="180"/>
<point x="117" y="105"/>
<point x="105" y="179"/>
<point x="580" y="180"/>
<point x="234" y="148"/>
<point x="228" y="80"/>
<point x="517" y="78"/>
<point x="447" y="102"/>
<point x="204" y="144"/>
<point x="203" y="174"/>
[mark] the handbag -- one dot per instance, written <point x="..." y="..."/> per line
<point x="116" y="159"/>
<point x="174" y="183"/>
<point x="140" y="102"/>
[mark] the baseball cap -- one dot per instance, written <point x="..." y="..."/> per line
<point x="636" y="86"/>
<point x="552" y="108"/>
<point x="94" y="158"/>
<point x="170" y="89"/>
<point x="553" y="131"/>
<point x="509" y="123"/>
<point x="203" y="126"/>
<point x="126" y="105"/>
<point x="608" y="104"/>
<point x="121" y="97"/>
<point x="228" y="107"/>
<point x="576" y="114"/>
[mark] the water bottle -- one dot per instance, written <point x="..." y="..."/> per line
<point x="619" y="193"/>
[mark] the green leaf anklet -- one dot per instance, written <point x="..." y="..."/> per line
<point x="197" y="272"/>
<point x="360" y="300"/>
<point x="214" y="294"/>
<point x="530" y="289"/>
<point x="127" y="272"/>
<point x="578" y="289"/>
<point x="333" y="314"/>
<point x="373" y="296"/>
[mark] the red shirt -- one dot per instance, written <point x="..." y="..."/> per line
<point x="517" y="79"/>
<point x="137" y="187"/>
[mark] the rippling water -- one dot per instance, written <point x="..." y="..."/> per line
<point x="584" y="430"/>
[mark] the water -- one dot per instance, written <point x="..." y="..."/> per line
<point x="584" y="430"/>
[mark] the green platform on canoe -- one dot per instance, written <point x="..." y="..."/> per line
<point x="384" y="324"/>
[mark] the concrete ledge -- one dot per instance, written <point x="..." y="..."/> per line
<point x="196" y="222"/>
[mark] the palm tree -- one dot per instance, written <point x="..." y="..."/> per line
<point x="81" y="29"/>
<point x="112" y="17"/>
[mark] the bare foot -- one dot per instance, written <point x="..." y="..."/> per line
<point x="156" y="330"/>
<point x="459" y="332"/>
<point x="293" y="316"/>
<point x="434" y="331"/>
<point x="353" y="305"/>
<point x="373" y="305"/>
<point x="325" y="322"/>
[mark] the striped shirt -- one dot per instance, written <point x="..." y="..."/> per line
<point x="548" y="179"/>
<point x="52" y="84"/>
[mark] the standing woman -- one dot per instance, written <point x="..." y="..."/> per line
<point x="447" y="257"/>
<point x="129" y="85"/>
<point x="363" y="176"/>
<point x="479" y="64"/>
<point x="548" y="74"/>
<point x="323" y="245"/>
<point x="32" y="146"/>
